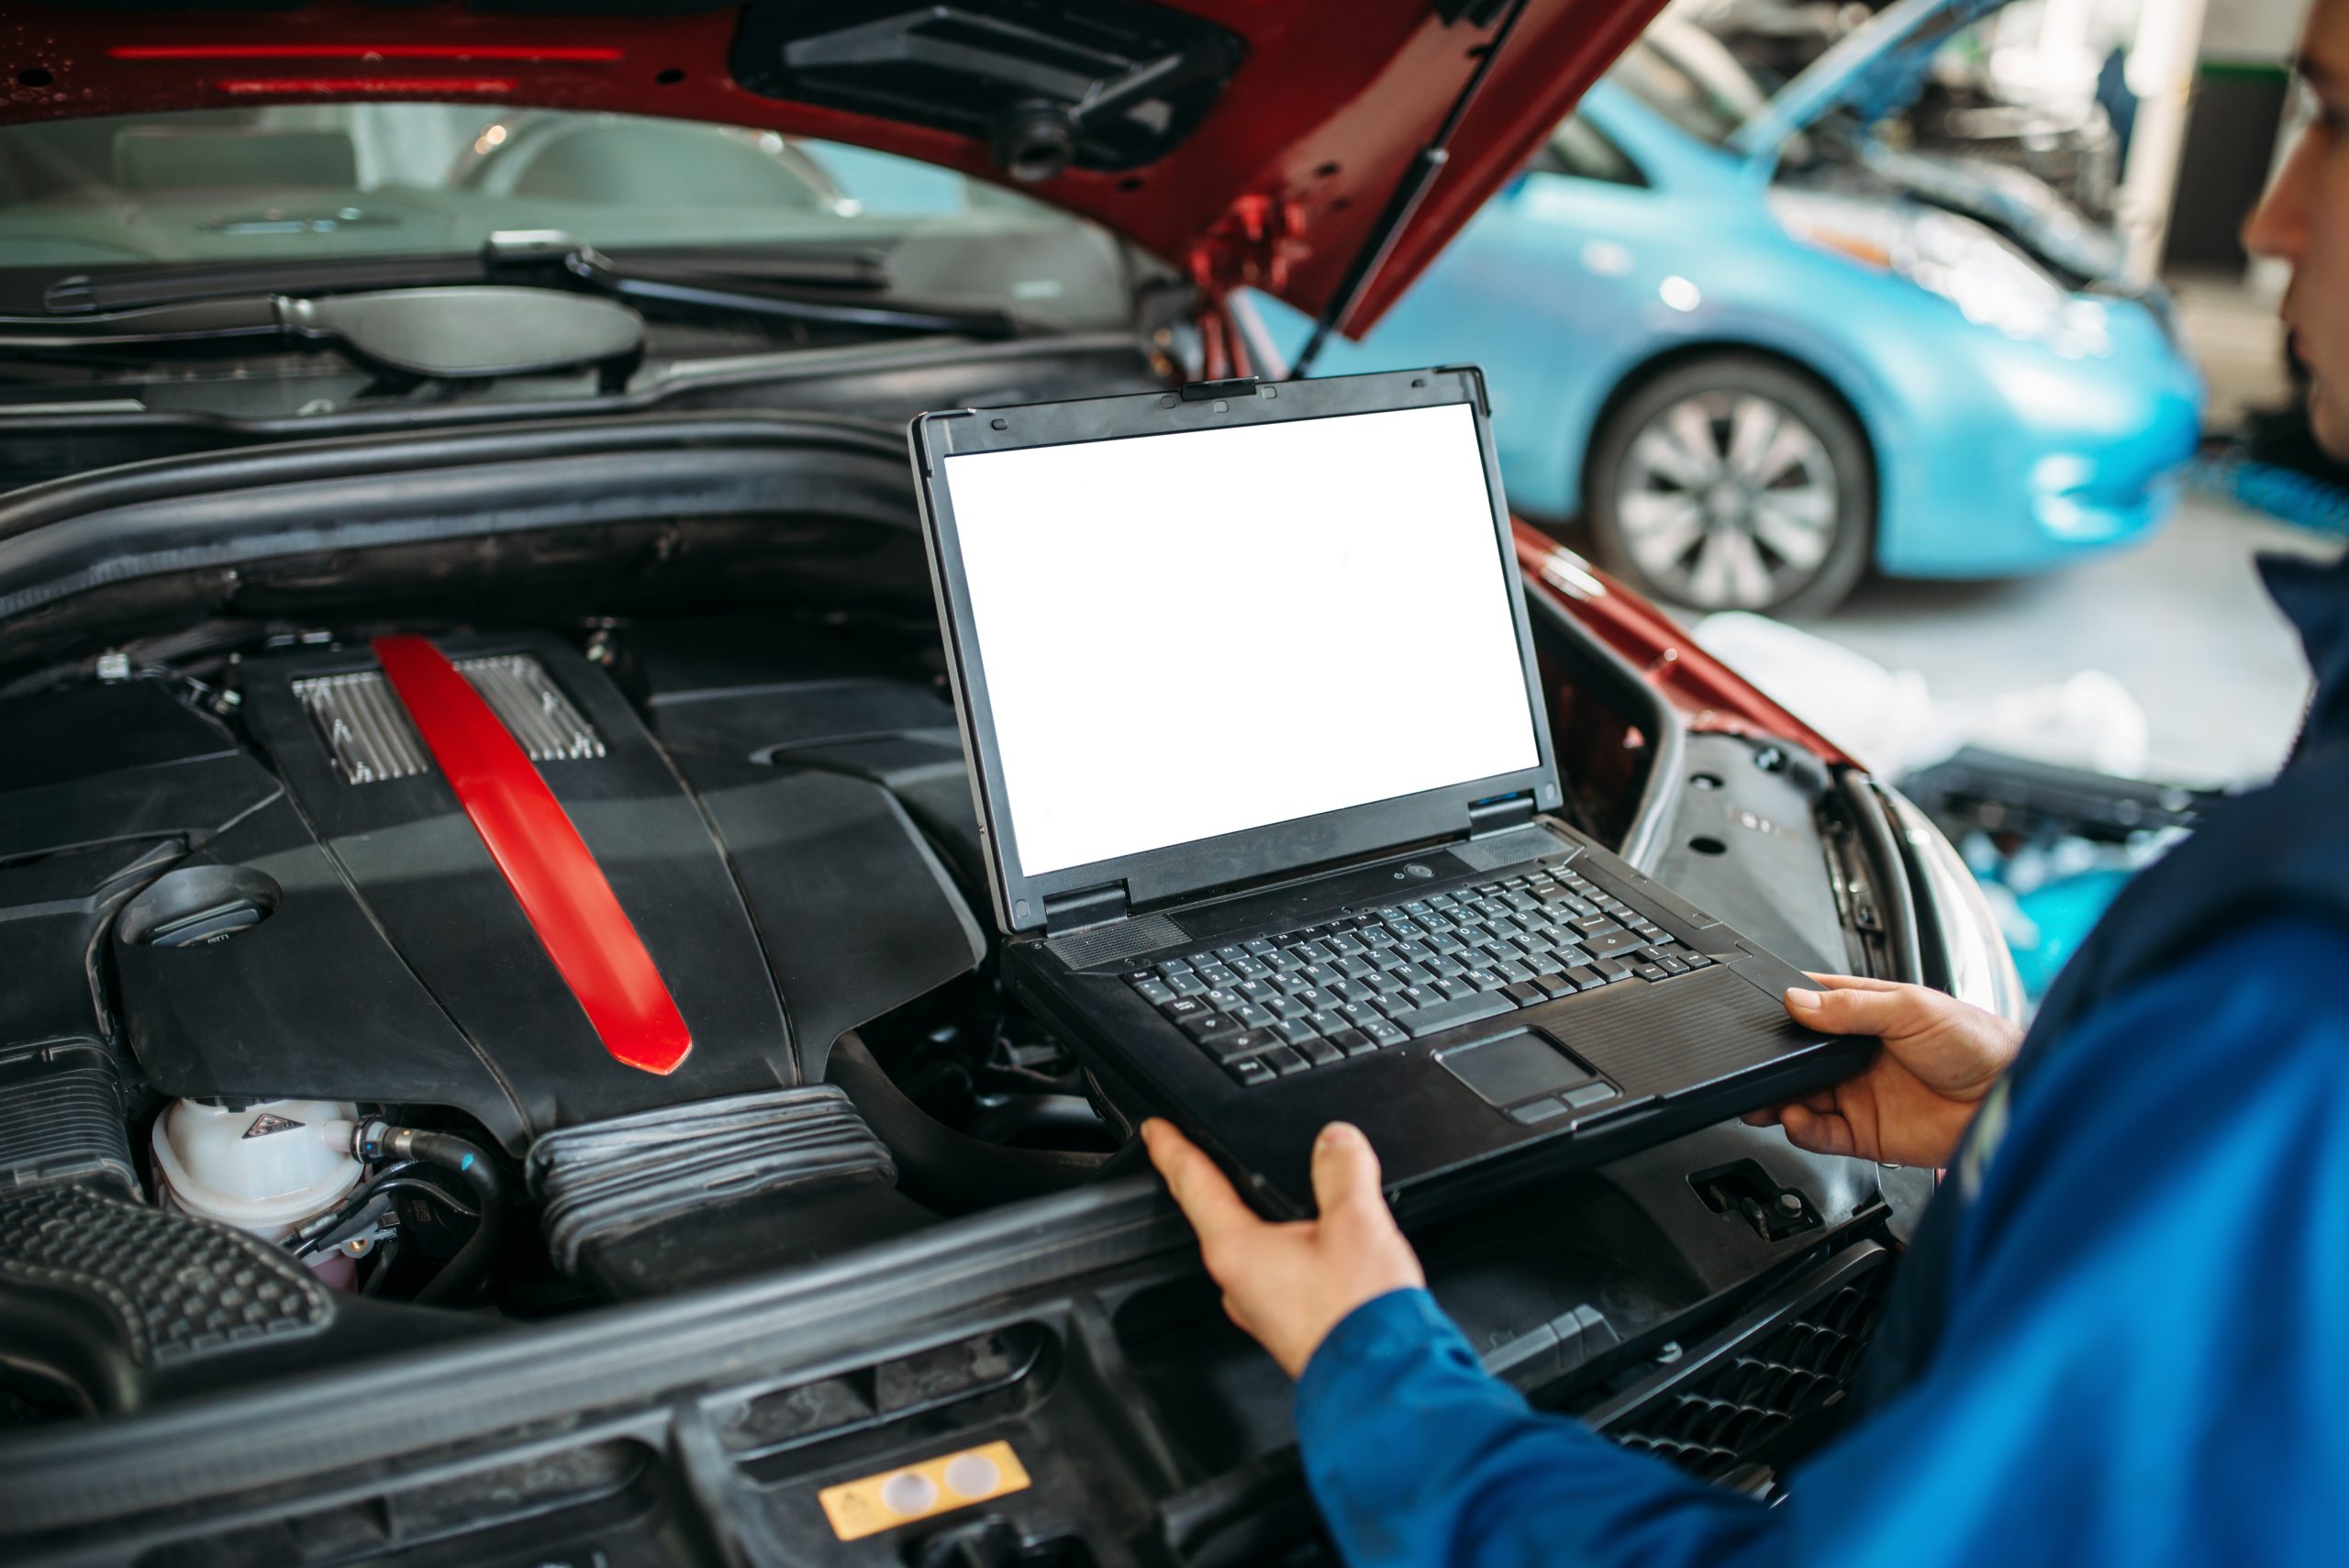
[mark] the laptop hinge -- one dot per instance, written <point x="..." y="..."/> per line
<point x="1499" y="814"/>
<point x="1069" y="912"/>
<point x="1206" y="391"/>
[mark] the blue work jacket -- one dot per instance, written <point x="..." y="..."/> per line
<point x="2122" y="1335"/>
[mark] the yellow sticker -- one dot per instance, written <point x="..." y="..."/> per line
<point x="873" y="1503"/>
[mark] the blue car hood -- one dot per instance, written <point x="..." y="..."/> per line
<point x="1874" y="71"/>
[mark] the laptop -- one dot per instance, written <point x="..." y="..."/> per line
<point x="1248" y="699"/>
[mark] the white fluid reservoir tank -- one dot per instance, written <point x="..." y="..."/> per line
<point x="266" y="1167"/>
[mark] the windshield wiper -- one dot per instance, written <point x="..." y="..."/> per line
<point x="550" y="256"/>
<point x="864" y="272"/>
<point x="536" y="260"/>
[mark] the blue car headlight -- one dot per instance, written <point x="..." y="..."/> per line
<point x="1991" y="282"/>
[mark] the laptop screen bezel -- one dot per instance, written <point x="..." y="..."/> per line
<point x="1175" y="871"/>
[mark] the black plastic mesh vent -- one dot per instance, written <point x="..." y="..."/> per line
<point x="1756" y="1405"/>
<point x="175" y="1288"/>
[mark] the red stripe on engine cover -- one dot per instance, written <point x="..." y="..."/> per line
<point x="554" y="874"/>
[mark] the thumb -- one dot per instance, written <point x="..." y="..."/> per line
<point x="1905" y="1009"/>
<point x="1345" y="1170"/>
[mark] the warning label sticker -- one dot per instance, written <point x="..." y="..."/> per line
<point x="871" y="1504"/>
<point x="265" y="1124"/>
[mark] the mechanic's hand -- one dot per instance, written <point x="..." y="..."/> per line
<point x="1289" y="1285"/>
<point x="1910" y="1106"/>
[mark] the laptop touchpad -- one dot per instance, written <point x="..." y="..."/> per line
<point x="1514" y="1067"/>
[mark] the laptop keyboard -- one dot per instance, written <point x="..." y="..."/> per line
<point x="1276" y="1006"/>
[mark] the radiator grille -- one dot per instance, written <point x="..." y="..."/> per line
<point x="369" y="735"/>
<point x="1760" y="1405"/>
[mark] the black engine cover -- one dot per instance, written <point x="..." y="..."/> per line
<point x="781" y="904"/>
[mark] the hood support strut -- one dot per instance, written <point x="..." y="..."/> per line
<point x="1417" y="181"/>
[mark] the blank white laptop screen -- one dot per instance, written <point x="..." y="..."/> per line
<point x="1192" y="634"/>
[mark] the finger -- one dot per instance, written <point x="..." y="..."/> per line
<point x="1345" y="1170"/>
<point x="1766" y="1117"/>
<point x="1807" y="1129"/>
<point x="1853" y="981"/>
<point x="1206" y="1198"/>
<point x="1902" y="1009"/>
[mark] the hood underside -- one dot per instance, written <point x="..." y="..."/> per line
<point x="1876" y="70"/>
<point x="1251" y="142"/>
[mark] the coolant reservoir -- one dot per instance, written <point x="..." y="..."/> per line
<point x="265" y="1168"/>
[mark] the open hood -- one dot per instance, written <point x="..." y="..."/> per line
<point x="1251" y="142"/>
<point x="1874" y="71"/>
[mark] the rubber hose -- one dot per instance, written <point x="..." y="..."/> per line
<point x="937" y="1166"/>
<point x="471" y="1266"/>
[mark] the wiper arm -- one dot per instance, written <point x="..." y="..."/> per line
<point x="211" y="303"/>
<point x="549" y="255"/>
<point x="206" y="321"/>
<point x="82" y="293"/>
<point x="442" y="334"/>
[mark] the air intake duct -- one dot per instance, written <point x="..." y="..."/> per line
<point x="685" y="1194"/>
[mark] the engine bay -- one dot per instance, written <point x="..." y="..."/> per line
<point x="263" y="963"/>
<point x="292" y="1077"/>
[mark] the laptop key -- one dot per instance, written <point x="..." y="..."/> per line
<point x="1483" y="980"/>
<point x="1206" y="1027"/>
<point x="1283" y="1060"/>
<point x="1353" y="1042"/>
<point x="1555" y="985"/>
<point x="1609" y="944"/>
<point x="1383" y="1033"/>
<point x="1319" y="1052"/>
<point x="1441" y="1016"/>
<point x="1525" y="994"/>
<point x="1155" y="992"/>
<point x="1295" y="1031"/>
<point x="1247" y="1042"/>
<point x="1183" y="982"/>
<point x="1250" y="1070"/>
<point x="1183" y="1007"/>
<point x="1254" y="1017"/>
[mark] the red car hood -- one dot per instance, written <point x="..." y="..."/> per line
<point x="1275" y="180"/>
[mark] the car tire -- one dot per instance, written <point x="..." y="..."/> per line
<point x="1733" y="483"/>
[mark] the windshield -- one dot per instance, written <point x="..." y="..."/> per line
<point x="1662" y="85"/>
<point x="302" y="183"/>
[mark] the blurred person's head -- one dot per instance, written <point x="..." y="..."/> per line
<point x="2304" y="219"/>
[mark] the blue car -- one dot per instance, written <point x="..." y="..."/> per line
<point x="1758" y="349"/>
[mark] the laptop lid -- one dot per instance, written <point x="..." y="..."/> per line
<point x="1201" y="639"/>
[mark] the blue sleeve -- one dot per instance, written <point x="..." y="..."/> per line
<point x="2144" y="1360"/>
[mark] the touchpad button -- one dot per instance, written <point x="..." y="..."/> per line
<point x="1514" y="1067"/>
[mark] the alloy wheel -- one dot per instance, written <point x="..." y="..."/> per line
<point x="1728" y="500"/>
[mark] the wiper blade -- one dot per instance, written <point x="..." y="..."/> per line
<point x="202" y="311"/>
<point x="469" y="332"/>
<point x="82" y="294"/>
<point x="206" y="321"/>
<point x="547" y="255"/>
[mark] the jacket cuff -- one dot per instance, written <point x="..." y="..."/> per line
<point x="1355" y="1359"/>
